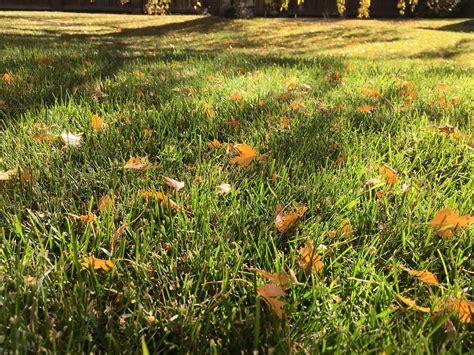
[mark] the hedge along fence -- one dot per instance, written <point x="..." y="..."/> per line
<point x="350" y="8"/>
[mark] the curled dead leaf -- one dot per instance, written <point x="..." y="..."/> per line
<point x="285" y="222"/>
<point x="310" y="260"/>
<point x="269" y="292"/>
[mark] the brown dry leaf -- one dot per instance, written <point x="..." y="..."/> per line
<point x="447" y="220"/>
<point x="282" y="279"/>
<point x="465" y="309"/>
<point x="310" y="260"/>
<point x="173" y="184"/>
<point x="412" y="304"/>
<point x="97" y="123"/>
<point x="26" y="176"/>
<point x="117" y="235"/>
<point x="223" y="189"/>
<point x="264" y="157"/>
<point x="388" y="173"/>
<point x="285" y="222"/>
<point x="341" y="158"/>
<point x="214" y="144"/>
<point x="73" y="139"/>
<point x="3" y="105"/>
<point x="165" y="201"/>
<point x="332" y="234"/>
<point x="234" y="123"/>
<point x="371" y="92"/>
<point x="269" y="292"/>
<point x="8" y="175"/>
<point x="236" y="96"/>
<point x="97" y="263"/>
<point x="365" y="108"/>
<point x="424" y="276"/>
<point x="105" y="203"/>
<point x="246" y="155"/>
<point x="274" y="177"/>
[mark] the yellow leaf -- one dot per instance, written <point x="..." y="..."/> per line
<point x="270" y="292"/>
<point x="97" y="123"/>
<point x="139" y="163"/>
<point x="285" y="222"/>
<point x="138" y="73"/>
<point x="412" y="304"/>
<point x="165" y="201"/>
<point x="447" y="220"/>
<point x="424" y="276"/>
<point x="388" y="173"/>
<point x="97" y="263"/>
<point x="7" y="78"/>
<point x="246" y="155"/>
<point x="310" y="260"/>
<point x="346" y="228"/>
<point x="214" y="144"/>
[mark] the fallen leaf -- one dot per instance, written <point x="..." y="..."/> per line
<point x="117" y="234"/>
<point x="387" y="172"/>
<point x="173" y="184"/>
<point x="84" y="218"/>
<point x="223" y="189"/>
<point x="234" y="123"/>
<point x="7" y="77"/>
<point x="447" y="220"/>
<point x="365" y="108"/>
<point x="269" y="292"/>
<point x="284" y="123"/>
<point x="8" y="175"/>
<point x="465" y="309"/>
<point x="139" y="163"/>
<point x="346" y="228"/>
<point x="282" y="279"/>
<point x="165" y="201"/>
<point x="138" y="73"/>
<point x="73" y="139"/>
<point x="310" y="260"/>
<point x="424" y="276"/>
<point x="214" y="144"/>
<point x="105" y="203"/>
<point x="264" y="157"/>
<point x="97" y="123"/>
<point x="296" y="105"/>
<point x="285" y="222"/>
<point x="97" y="263"/>
<point x="236" y="96"/>
<point x="371" y="92"/>
<point x="274" y="177"/>
<point x="412" y="304"/>
<point x="246" y="155"/>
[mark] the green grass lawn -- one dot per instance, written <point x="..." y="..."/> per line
<point x="184" y="280"/>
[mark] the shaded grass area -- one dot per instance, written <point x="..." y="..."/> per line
<point x="183" y="281"/>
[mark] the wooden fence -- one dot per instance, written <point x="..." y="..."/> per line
<point x="379" y="8"/>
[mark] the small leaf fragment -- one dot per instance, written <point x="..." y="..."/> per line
<point x="73" y="139"/>
<point x="412" y="304"/>
<point x="223" y="189"/>
<point x="310" y="260"/>
<point x="173" y="184"/>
